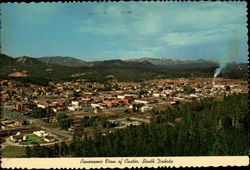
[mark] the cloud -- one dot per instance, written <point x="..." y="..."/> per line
<point x="117" y="20"/>
<point x="150" y="19"/>
<point x="149" y="52"/>
<point x="200" y="16"/>
<point x="191" y="38"/>
<point x="134" y="29"/>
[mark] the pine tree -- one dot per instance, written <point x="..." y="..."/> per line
<point x="28" y="151"/>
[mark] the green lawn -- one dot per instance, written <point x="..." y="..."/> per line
<point x="32" y="139"/>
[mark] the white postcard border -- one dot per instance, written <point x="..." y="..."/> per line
<point x="125" y="162"/>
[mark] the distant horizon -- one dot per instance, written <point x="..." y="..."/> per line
<point x="124" y="59"/>
<point x="126" y="30"/>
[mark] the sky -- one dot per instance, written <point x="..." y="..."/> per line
<point x="125" y="30"/>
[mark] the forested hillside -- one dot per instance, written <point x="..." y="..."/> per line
<point x="207" y="128"/>
<point x="127" y="71"/>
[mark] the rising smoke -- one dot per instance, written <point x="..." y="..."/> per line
<point x="230" y="55"/>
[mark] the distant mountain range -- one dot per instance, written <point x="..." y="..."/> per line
<point x="31" y="67"/>
<point x="178" y="64"/>
<point x="142" y="62"/>
<point x="6" y="60"/>
<point x="68" y="66"/>
<point x="65" y="61"/>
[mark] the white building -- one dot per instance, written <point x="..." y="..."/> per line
<point x="41" y="106"/>
<point x="39" y="133"/>
<point x="75" y="103"/>
<point x="16" y="138"/>
<point x="141" y="101"/>
<point x="73" y="108"/>
<point x="120" y="96"/>
<point x="156" y="94"/>
<point x="49" y="138"/>
<point x="97" y="105"/>
<point x="146" y="108"/>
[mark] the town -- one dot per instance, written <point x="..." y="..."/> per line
<point x="34" y="114"/>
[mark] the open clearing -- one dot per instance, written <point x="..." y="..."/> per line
<point x="13" y="152"/>
<point x="31" y="139"/>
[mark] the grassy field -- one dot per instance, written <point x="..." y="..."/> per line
<point x="32" y="139"/>
<point x="13" y="152"/>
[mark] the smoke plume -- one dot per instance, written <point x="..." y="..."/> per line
<point x="230" y="54"/>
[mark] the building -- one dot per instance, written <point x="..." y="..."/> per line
<point x="11" y="124"/>
<point x="42" y="105"/>
<point x="218" y="86"/>
<point x="120" y="96"/>
<point x="146" y="108"/>
<point x="108" y="103"/>
<point x="75" y="103"/>
<point x="156" y="95"/>
<point x="40" y="133"/>
<point x="74" y="108"/>
<point x="48" y="138"/>
<point x="140" y="119"/>
<point x="127" y="101"/>
<point x="17" y="137"/>
<point x="86" y="99"/>
<point x="98" y="105"/>
<point x="141" y="101"/>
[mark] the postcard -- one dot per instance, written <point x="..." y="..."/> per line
<point x="124" y="84"/>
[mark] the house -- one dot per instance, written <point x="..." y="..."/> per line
<point x="98" y="110"/>
<point x="11" y="124"/>
<point x="163" y="95"/>
<point x="108" y="103"/>
<point x="97" y="105"/>
<point x="73" y="108"/>
<point x="146" y="108"/>
<point x="42" y="105"/>
<point x="141" y="101"/>
<point x="75" y="103"/>
<point x="173" y="102"/>
<point x="24" y="137"/>
<point x="156" y="94"/>
<point x="21" y="107"/>
<point x="120" y="96"/>
<point x="54" y="110"/>
<point x="16" y="138"/>
<point x="74" y="127"/>
<point x="140" y="119"/>
<point x="58" y="108"/>
<point x="127" y="101"/>
<point x="86" y="99"/>
<point x="218" y="87"/>
<point x="39" y="133"/>
<point x="48" y="138"/>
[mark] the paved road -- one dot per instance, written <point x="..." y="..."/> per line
<point x="62" y="135"/>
